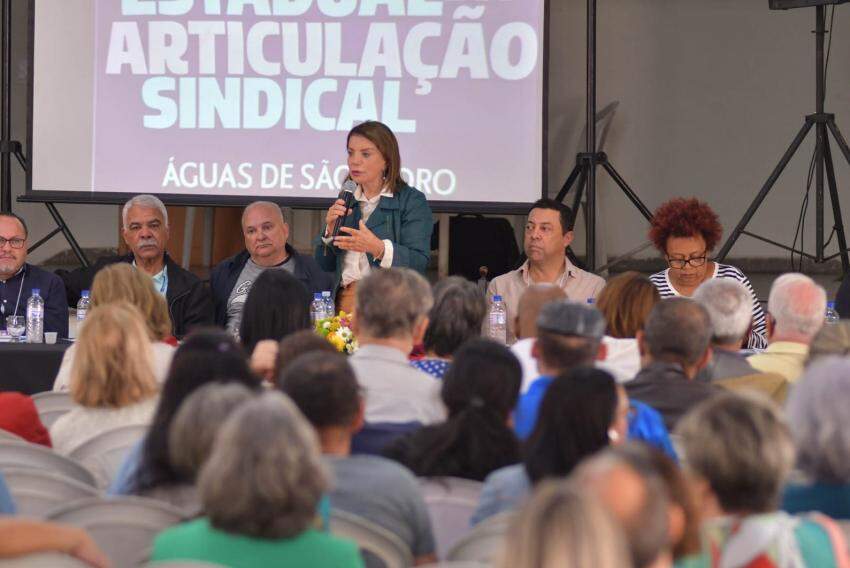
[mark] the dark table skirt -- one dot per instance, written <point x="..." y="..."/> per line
<point x="29" y="368"/>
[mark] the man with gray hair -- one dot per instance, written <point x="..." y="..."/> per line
<point x="144" y="220"/>
<point x="796" y="308"/>
<point x="391" y="316"/>
<point x="266" y="247"/>
<point x="627" y="483"/>
<point x="674" y="346"/>
<point x="729" y="305"/>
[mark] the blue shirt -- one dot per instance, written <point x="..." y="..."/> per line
<point x="435" y="367"/>
<point x="7" y="505"/>
<point x="833" y="500"/>
<point x="525" y="415"/>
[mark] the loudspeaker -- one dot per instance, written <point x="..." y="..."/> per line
<point x="788" y="4"/>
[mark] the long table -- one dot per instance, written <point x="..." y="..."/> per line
<point x="30" y="368"/>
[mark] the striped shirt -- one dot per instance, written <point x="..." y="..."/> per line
<point x="758" y="334"/>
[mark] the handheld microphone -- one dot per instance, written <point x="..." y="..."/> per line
<point x="346" y="194"/>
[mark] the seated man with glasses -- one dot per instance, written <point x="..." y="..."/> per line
<point x="18" y="279"/>
<point x="686" y="231"/>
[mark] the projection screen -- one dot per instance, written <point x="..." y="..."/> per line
<point x="226" y="101"/>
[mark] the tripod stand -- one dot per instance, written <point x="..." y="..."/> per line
<point x="824" y="124"/>
<point x="586" y="162"/>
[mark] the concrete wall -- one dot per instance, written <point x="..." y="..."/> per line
<point x="711" y="93"/>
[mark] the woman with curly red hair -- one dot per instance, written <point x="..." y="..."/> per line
<point x="685" y="231"/>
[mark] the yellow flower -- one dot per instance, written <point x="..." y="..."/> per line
<point x="337" y="342"/>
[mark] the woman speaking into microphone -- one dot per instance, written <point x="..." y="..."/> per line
<point x="389" y="223"/>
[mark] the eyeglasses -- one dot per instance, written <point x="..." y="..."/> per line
<point x="679" y="263"/>
<point x="16" y="243"/>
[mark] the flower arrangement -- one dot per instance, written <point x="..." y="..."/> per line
<point x="337" y="330"/>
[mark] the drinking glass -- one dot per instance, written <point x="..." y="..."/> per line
<point x="16" y="326"/>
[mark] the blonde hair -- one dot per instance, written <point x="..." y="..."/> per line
<point x="563" y="527"/>
<point x="121" y="281"/>
<point x="112" y="361"/>
<point x="626" y="301"/>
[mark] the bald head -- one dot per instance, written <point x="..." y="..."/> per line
<point x="530" y="303"/>
<point x="266" y="206"/>
<point x="796" y="306"/>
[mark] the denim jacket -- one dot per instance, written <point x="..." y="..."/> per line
<point x="405" y="219"/>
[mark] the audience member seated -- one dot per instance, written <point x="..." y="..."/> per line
<point x="729" y="306"/>
<point x="391" y="317"/>
<point x="685" y="231"/>
<point x="569" y="335"/>
<point x="480" y="391"/>
<point x="325" y="390"/>
<point x="456" y="317"/>
<point x="269" y="359"/>
<point x="675" y="345"/>
<point x="625" y="303"/>
<point x="112" y="382"/>
<point x="206" y="356"/>
<point x="833" y="339"/>
<point x="795" y="309"/>
<point x="563" y="527"/>
<point x="627" y="483"/>
<point x="739" y="454"/>
<point x="547" y="236"/>
<point x="581" y="413"/>
<point x="191" y="438"/>
<point x="277" y="305"/>
<point x="260" y="488"/>
<point x="22" y="537"/>
<point x="145" y="230"/>
<point x="18" y="279"/>
<point x="818" y="418"/>
<point x="121" y="282"/>
<point x="19" y="416"/>
<point x="530" y="303"/>
<point x="265" y="232"/>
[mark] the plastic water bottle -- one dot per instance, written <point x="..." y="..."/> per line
<point x="35" y="317"/>
<point x="330" y="308"/>
<point x="317" y="308"/>
<point x="83" y="306"/>
<point x="831" y="315"/>
<point x="497" y="318"/>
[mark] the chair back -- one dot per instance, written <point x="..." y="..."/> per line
<point x="51" y="405"/>
<point x="451" y="501"/>
<point x="36" y="492"/>
<point x="44" y="560"/>
<point x="123" y="527"/>
<point x="484" y="542"/>
<point x="33" y="456"/>
<point x="380" y="547"/>
<point x="6" y="436"/>
<point x="105" y="453"/>
<point x="374" y="437"/>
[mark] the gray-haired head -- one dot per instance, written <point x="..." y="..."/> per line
<point x="740" y="444"/>
<point x="797" y="305"/>
<point x="830" y="340"/>
<point x="147" y="201"/>
<point x="271" y="206"/>
<point x="678" y="330"/>
<point x="646" y="525"/>
<point x="193" y="431"/>
<point x="456" y="317"/>
<point x="730" y="307"/>
<point x="391" y="302"/>
<point x="819" y="420"/>
<point x="265" y="476"/>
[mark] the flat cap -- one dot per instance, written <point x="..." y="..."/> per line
<point x="564" y="317"/>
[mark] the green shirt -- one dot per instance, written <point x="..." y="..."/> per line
<point x="198" y="540"/>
